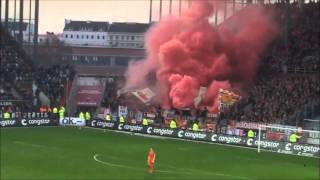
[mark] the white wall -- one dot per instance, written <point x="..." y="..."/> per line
<point x="82" y="40"/>
<point x="125" y="39"/>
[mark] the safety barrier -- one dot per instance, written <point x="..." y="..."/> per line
<point x="279" y="146"/>
<point x="283" y="147"/>
<point x="28" y="122"/>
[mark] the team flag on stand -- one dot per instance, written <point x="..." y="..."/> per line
<point x="201" y="94"/>
<point x="144" y="95"/>
<point x="227" y="98"/>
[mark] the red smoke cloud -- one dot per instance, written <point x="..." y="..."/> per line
<point x="187" y="53"/>
<point x="183" y="90"/>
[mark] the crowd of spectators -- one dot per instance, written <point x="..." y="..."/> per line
<point x="22" y="82"/>
<point x="297" y="47"/>
<point x="15" y="79"/>
<point x="5" y="91"/>
<point x="277" y="99"/>
<point x="111" y="99"/>
<point x="14" y="72"/>
<point x="52" y="81"/>
<point x="283" y="89"/>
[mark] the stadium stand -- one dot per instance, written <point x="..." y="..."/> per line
<point x="21" y="81"/>
<point x="52" y="81"/>
<point x="278" y="99"/>
<point x="15" y="76"/>
<point x="296" y="49"/>
<point x="286" y="89"/>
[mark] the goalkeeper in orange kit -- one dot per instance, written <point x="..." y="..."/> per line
<point x="151" y="158"/>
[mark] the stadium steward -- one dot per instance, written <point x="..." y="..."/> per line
<point x="173" y="124"/>
<point x="81" y="116"/>
<point x="195" y="127"/>
<point x="54" y="112"/>
<point x="6" y="115"/>
<point x="293" y="138"/>
<point x="145" y="121"/>
<point x="250" y="134"/>
<point x="108" y="117"/>
<point x="121" y="119"/>
<point x="61" y="112"/>
<point x="88" y="116"/>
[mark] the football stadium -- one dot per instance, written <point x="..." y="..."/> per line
<point x="160" y="89"/>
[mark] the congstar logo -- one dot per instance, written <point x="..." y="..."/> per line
<point x="132" y="127"/>
<point x="225" y="139"/>
<point x="24" y="122"/>
<point x="306" y="148"/>
<point x="180" y="133"/>
<point x="214" y="137"/>
<point x="162" y="132"/>
<point x="93" y="123"/>
<point x="105" y="124"/>
<point x="195" y="135"/>
<point x="38" y="122"/>
<point x="149" y="130"/>
<point x="288" y="147"/>
<point x="7" y="123"/>
<point x="267" y="144"/>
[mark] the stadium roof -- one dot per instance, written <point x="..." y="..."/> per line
<point x="129" y="27"/>
<point x="86" y="26"/>
<point x="125" y="27"/>
<point x="15" y="25"/>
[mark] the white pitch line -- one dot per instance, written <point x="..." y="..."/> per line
<point x="186" y="171"/>
<point x="95" y="157"/>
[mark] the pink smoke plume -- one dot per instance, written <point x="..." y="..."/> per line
<point x="187" y="53"/>
<point x="180" y="97"/>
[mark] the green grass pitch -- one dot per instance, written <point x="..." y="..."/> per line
<point x="71" y="153"/>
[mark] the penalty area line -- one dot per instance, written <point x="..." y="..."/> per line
<point x="95" y="157"/>
<point x="186" y="171"/>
